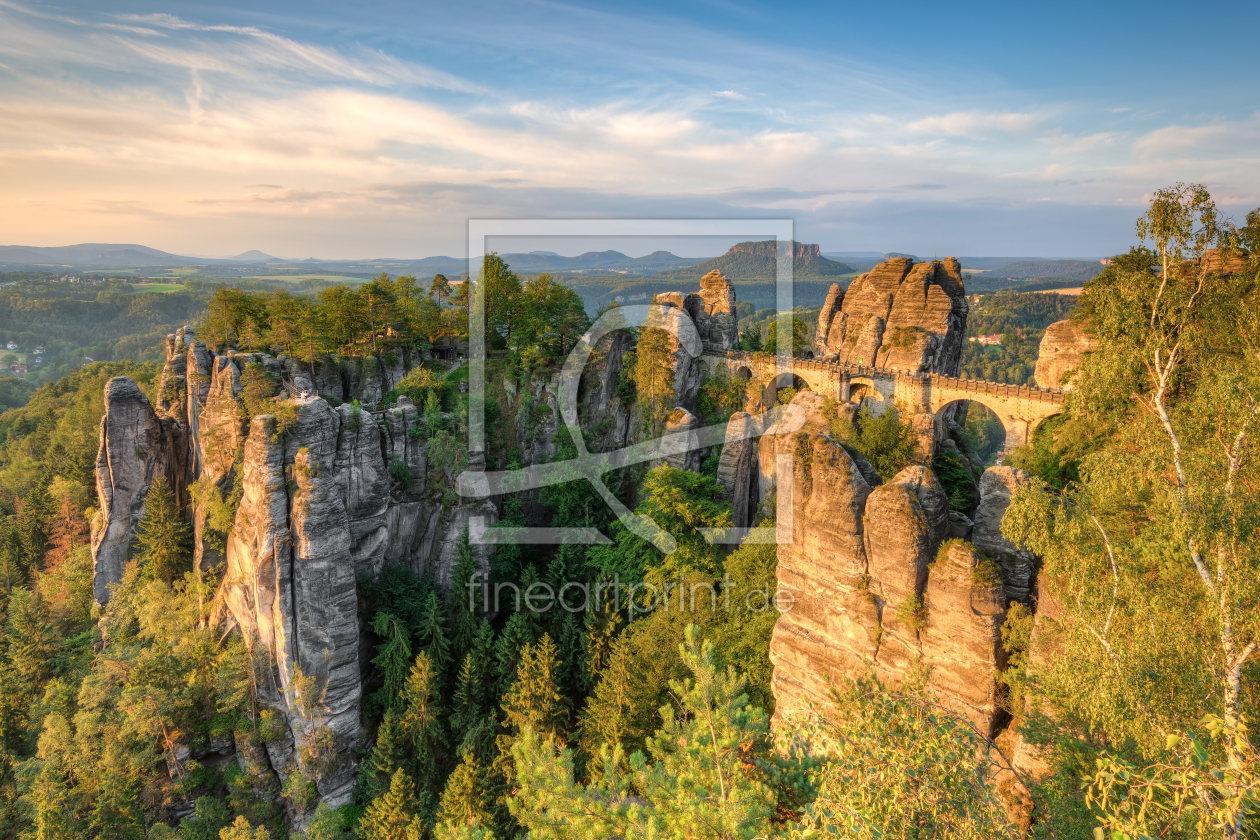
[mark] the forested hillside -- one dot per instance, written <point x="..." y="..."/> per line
<point x="1019" y="319"/>
<point x="73" y="322"/>
<point x="1119" y="675"/>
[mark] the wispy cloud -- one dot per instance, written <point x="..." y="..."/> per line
<point x="155" y="117"/>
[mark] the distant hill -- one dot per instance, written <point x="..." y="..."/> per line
<point x="255" y="256"/>
<point x="758" y="261"/>
<point x="859" y="256"/>
<point x="96" y="255"/>
<point x="1045" y="269"/>
<point x="596" y="261"/>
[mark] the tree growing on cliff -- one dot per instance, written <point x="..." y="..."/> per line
<point x="164" y="538"/>
<point x="1155" y="553"/>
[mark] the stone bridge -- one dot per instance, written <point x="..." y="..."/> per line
<point x="1021" y="408"/>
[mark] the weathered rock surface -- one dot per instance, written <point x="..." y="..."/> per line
<point x="713" y="311"/>
<point x="899" y="314"/>
<point x="683" y="424"/>
<point x="1062" y="350"/>
<point x="832" y="629"/>
<point x="135" y="448"/>
<point x="737" y="472"/>
<point x="997" y="485"/>
<point x="962" y="639"/>
<point x="868" y="596"/>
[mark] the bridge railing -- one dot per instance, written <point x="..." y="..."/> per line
<point x="935" y="380"/>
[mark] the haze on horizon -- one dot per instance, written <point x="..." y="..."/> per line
<point x="315" y="129"/>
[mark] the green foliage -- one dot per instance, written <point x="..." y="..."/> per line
<point x="1153" y="552"/>
<point x="163" y="537"/>
<point x="400" y="471"/>
<point x="691" y="783"/>
<point x="800" y="338"/>
<point x="1021" y="319"/>
<point x="912" y="612"/>
<point x="653" y="376"/>
<point x="955" y="480"/>
<point x="896" y="765"/>
<point x="886" y="442"/>
<point x="721" y="395"/>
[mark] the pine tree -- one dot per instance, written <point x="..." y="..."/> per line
<point x="466" y="601"/>
<point x="393" y="656"/>
<point x="507" y="652"/>
<point x="389" y="754"/>
<point x="165" y="540"/>
<point x="394" y="815"/>
<point x="32" y="638"/>
<point x="464" y="801"/>
<point x="433" y="638"/>
<point x="422" y="729"/>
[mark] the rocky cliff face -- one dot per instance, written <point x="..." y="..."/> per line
<point x="899" y="314"/>
<point x="879" y="586"/>
<point x="136" y="447"/>
<point x="336" y="496"/>
<point x="1062" y="350"/>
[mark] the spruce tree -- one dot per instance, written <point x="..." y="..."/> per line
<point x="388" y="755"/>
<point x="433" y="639"/>
<point x="464" y="802"/>
<point x="393" y="815"/>
<point x="605" y="720"/>
<point x="393" y="656"/>
<point x="422" y="729"/>
<point x="466" y="602"/>
<point x="165" y="540"/>
<point x="466" y="703"/>
<point x="32" y="638"/>
<point x="507" y="652"/>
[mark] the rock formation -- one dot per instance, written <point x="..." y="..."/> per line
<point x="335" y="497"/>
<point x="737" y="472"/>
<point x="136" y="447"/>
<point x="713" y="311"/>
<point x="898" y="315"/>
<point x="878" y="588"/>
<point x="997" y="485"/>
<point x="1062" y="350"/>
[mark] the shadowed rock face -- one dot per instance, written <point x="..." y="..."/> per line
<point x="997" y="485"/>
<point x="1062" y="350"/>
<point x="899" y="314"/>
<point x="737" y="473"/>
<point x="135" y="448"/>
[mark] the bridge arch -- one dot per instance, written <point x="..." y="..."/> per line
<point x="784" y="380"/>
<point x="1017" y="422"/>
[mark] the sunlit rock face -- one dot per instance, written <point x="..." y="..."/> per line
<point x="1062" y="350"/>
<point x="897" y="315"/>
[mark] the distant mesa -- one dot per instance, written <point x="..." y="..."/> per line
<point x="759" y="261"/>
<point x="892" y="255"/>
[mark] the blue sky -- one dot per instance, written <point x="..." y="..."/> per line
<point x="330" y="130"/>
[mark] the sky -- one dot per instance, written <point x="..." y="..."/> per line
<point x="336" y="130"/>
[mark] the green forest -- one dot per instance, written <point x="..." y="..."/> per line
<point x="1020" y="318"/>
<point x="633" y="722"/>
